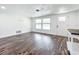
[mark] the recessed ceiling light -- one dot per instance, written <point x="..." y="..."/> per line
<point x="3" y="7"/>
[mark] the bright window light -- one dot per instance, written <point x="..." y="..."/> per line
<point x="46" y="26"/>
<point x="42" y="24"/>
<point x="38" y="26"/>
<point x="38" y="21"/>
<point x="61" y="19"/>
<point x="46" y="20"/>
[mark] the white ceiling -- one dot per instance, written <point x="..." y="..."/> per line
<point x="30" y="9"/>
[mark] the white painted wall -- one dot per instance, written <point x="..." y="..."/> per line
<point x="72" y="22"/>
<point x="10" y="23"/>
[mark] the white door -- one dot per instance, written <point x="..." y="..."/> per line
<point x="61" y="26"/>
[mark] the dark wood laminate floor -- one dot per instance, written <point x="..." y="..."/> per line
<point x="33" y="44"/>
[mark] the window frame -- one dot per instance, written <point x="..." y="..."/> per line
<point x="46" y="23"/>
<point x="43" y="24"/>
<point x="38" y="23"/>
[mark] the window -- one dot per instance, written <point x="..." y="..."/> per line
<point x="42" y="24"/>
<point x="46" y="24"/>
<point x="38" y="26"/>
<point x="38" y="23"/>
<point x="47" y="20"/>
<point x="38" y="20"/>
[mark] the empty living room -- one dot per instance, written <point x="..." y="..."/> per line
<point x="39" y="29"/>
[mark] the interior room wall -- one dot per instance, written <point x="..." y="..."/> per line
<point x="60" y="27"/>
<point x="10" y="23"/>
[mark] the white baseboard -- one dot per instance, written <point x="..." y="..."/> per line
<point x="12" y="35"/>
<point x="51" y="33"/>
<point x="28" y="32"/>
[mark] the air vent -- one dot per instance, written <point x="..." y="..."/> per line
<point x="19" y="31"/>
